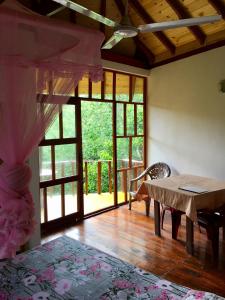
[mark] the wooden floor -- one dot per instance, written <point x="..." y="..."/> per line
<point x="129" y="235"/>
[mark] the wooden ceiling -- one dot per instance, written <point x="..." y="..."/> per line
<point x="148" y="50"/>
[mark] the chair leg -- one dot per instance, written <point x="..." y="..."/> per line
<point x="176" y="220"/>
<point x="210" y="232"/>
<point x="162" y="217"/>
<point x="215" y="243"/>
<point x="130" y="201"/>
<point x="147" y="207"/>
<point x="224" y="232"/>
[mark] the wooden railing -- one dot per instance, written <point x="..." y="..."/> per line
<point x="71" y="167"/>
<point x="99" y="175"/>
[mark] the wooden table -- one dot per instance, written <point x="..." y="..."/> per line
<point x="167" y="191"/>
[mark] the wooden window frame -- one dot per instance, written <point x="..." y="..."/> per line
<point x="76" y="100"/>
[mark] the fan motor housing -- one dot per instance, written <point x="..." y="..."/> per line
<point x="126" y="31"/>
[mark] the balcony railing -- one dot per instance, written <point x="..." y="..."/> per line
<point x="100" y="171"/>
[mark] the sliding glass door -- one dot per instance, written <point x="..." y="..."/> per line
<point x="61" y="170"/>
<point x="93" y="149"/>
<point x="130" y="130"/>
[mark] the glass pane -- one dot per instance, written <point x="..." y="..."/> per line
<point x="42" y="205"/>
<point x="140" y="119"/>
<point x="119" y="119"/>
<point x="97" y="155"/>
<point x="122" y="153"/>
<point x="95" y="199"/>
<point x="135" y="173"/>
<point x="69" y="124"/>
<point x="59" y="87"/>
<point x="108" y="81"/>
<point x="120" y="192"/>
<point x="65" y="157"/>
<point x="53" y="130"/>
<point x="123" y="180"/>
<point x="137" y="151"/>
<point x="83" y="87"/>
<point x="54" y="202"/>
<point x="130" y="119"/>
<point x="70" y="198"/>
<point x="96" y="130"/>
<point x="122" y="87"/>
<point x="138" y="89"/>
<point x="45" y="163"/>
<point x="96" y="90"/>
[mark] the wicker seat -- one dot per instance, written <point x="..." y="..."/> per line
<point x="155" y="171"/>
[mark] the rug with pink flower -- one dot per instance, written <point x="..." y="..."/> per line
<point x="67" y="269"/>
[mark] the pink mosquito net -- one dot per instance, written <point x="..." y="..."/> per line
<point x="41" y="62"/>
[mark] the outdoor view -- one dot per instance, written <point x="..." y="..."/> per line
<point x="58" y="152"/>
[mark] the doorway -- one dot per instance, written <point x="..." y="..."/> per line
<point x="81" y="178"/>
<point x="97" y="147"/>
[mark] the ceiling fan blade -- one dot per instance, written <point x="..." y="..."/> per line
<point x="116" y="38"/>
<point x="179" y="23"/>
<point x="87" y="12"/>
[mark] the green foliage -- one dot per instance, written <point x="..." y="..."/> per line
<point x="97" y="130"/>
<point x="97" y="140"/>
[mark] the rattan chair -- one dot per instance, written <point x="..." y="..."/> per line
<point x="155" y="171"/>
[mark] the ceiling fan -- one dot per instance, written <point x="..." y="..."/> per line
<point x="125" y="29"/>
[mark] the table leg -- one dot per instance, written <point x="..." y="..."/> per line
<point x="189" y="236"/>
<point x="157" y="218"/>
<point x="176" y="220"/>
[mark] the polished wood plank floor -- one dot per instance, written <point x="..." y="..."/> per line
<point x="129" y="235"/>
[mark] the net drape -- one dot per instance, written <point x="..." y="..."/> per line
<point x="41" y="62"/>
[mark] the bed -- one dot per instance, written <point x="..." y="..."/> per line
<point x="67" y="269"/>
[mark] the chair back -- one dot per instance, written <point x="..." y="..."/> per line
<point x="158" y="170"/>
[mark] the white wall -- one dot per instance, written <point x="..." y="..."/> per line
<point x="186" y="111"/>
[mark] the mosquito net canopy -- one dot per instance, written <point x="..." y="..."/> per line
<point x="41" y="62"/>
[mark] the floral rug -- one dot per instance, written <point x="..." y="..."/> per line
<point x="66" y="269"/>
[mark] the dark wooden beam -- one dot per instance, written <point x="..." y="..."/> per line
<point x="120" y="6"/>
<point x="103" y="13"/>
<point x="145" y="50"/>
<point x="148" y="19"/>
<point x="73" y="16"/>
<point x="139" y="44"/>
<point x="122" y="59"/>
<point x="219" y="6"/>
<point x="189" y="53"/>
<point x="183" y="13"/>
<point x="43" y="7"/>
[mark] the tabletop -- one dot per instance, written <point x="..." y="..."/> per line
<point x="167" y="192"/>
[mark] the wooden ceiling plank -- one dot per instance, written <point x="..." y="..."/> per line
<point x="148" y="19"/>
<point x="139" y="44"/>
<point x="183" y="13"/>
<point x="190" y="53"/>
<point x="219" y="7"/>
